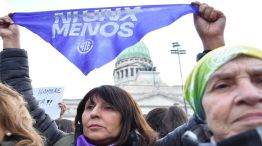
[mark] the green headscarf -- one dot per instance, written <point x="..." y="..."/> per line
<point x="197" y="80"/>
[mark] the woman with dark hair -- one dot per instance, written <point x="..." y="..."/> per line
<point x="155" y="119"/>
<point x="165" y="120"/>
<point x="109" y="115"/>
<point x="174" y="117"/>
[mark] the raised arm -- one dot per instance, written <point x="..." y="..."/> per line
<point x="14" y="71"/>
<point x="9" y="33"/>
<point x="210" y="25"/>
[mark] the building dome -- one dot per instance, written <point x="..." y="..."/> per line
<point x="132" y="60"/>
<point x="138" y="50"/>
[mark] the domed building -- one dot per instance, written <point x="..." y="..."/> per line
<point x="130" y="61"/>
<point x="134" y="72"/>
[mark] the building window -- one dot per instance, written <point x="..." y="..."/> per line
<point x="122" y="74"/>
<point x="118" y="76"/>
<point x="132" y="71"/>
<point x="126" y="70"/>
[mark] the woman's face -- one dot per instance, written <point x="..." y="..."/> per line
<point x="233" y="98"/>
<point x="101" y="121"/>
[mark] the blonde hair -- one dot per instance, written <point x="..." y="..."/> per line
<point x="16" y="118"/>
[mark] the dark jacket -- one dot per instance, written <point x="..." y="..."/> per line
<point x="10" y="140"/>
<point x="14" y="71"/>
<point x="200" y="55"/>
<point x="174" y="138"/>
<point x="8" y="143"/>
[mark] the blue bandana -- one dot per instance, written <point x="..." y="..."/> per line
<point x="92" y="37"/>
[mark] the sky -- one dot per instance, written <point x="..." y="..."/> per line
<point x="49" y="68"/>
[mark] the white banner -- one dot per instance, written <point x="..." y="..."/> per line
<point x="48" y="99"/>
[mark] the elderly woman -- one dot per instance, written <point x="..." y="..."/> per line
<point x="225" y="91"/>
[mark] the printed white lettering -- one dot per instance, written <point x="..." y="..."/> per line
<point x="105" y="22"/>
<point x="62" y="16"/>
<point x="125" y="29"/>
<point x="75" y="29"/>
<point x="91" y="31"/>
<point x="59" y="31"/>
<point x="88" y="17"/>
<point x="109" y="29"/>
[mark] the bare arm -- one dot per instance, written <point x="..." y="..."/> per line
<point x="9" y="33"/>
<point x="210" y="24"/>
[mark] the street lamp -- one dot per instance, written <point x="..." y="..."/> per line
<point x="177" y="50"/>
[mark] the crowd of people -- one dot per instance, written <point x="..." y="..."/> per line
<point x="223" y="89"/>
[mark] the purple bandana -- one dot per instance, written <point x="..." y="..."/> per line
<point x="92" y="37"/>
<point x="81" y="141"/>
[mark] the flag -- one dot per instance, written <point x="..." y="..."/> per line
<point x="92" y="37"/>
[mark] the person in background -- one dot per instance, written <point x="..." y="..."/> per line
<point x="17" y="75"/>
<point x="174" y="117"/>
<point x="165" y="120"/>
<point x="63" y="108"/>
<point x="65" y="125"/>
<point x="16" y="124"/>
<point x="155" y="119"/>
